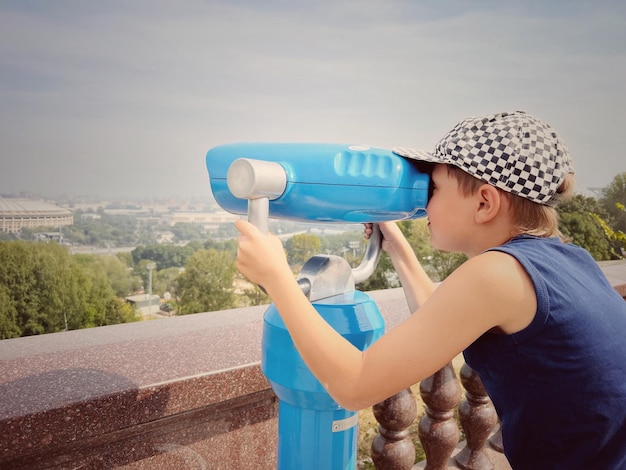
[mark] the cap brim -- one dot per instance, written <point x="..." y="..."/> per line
<point x="417" y="154"/>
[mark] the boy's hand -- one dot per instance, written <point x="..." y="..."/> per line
<point x="260" y="257"/>
<point x="391" y="234"/>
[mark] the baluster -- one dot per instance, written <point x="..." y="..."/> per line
<point x="392" y="447"/>
<point x="438" y="431"/>
<point x="478" y="418"/>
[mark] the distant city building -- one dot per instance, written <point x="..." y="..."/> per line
<point x="16" y="214"/>
<point x="209" y="220"/>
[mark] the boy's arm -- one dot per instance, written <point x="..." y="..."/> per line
<point x="490" y="291"/>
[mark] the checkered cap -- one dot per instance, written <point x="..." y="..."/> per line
<point x="511" y="151"/>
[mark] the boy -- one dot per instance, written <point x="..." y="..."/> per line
<point x="534" y="316"/>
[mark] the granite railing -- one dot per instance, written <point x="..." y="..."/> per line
<point x="183" y="392"/>
<point x="187" y="392"/>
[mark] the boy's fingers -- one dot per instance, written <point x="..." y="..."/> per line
<point x="240" y="225"/>
<point x="244" y="227"/>
<point x="367" y="230"/>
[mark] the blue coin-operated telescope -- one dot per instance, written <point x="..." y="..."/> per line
<point x="318" y="183"/>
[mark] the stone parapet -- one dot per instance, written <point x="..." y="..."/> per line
<point x="181" y="392"/>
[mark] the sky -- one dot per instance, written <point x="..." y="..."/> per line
<point x="123" y="98"/>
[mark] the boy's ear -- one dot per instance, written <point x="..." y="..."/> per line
<point x="488" y="203"/>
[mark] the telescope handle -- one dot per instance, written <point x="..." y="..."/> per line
<point x="370" y="259"/>
<point x="259" y="213"/>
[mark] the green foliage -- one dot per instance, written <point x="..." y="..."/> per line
<point x="126" y="258"/>
<point x="6" y="236"/>
<point x="252" y="296"/>
<point x="166" y="280"/>
<point x="438" y="264"/>
<point x="165" y="256"/>
<point x="169" y="259"/>
<point x="340" y="243"/>
<point x="584" y="230"/>
<point x="382" y="278"/>
<point x="617" y="237"/>
<point x="27" y="234"/>
<point x="9" y="327"/>
<point x="207" y="283"/>
<point x="301" y="247"/>
<point x="44" y="289"/>
<point x="184" y="231"/>
<point x="416" y="233"/>
<point x="229" y="245"/>
<point x="118" y="311"/>
<point x="614" y="197"/>
<point x="117" y="273"/>
<point x="583" y="221"/>
<point x="442" y="264"/>
<point x="108" y="231"/>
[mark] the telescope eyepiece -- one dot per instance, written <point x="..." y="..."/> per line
<point x="253" y="179"/>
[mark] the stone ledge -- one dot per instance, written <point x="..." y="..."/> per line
<point x="113" y="395"/>
<point x="209" y="436"/>
<point x="180" y="392"/>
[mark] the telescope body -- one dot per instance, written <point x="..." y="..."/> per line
<point x="326" y="182"/>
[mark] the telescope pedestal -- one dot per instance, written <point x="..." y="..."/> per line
<point x="314" y="432"/>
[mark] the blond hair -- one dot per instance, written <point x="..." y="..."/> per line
<point x="529" y="217"/>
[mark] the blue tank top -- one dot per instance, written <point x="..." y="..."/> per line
<point x="559" y="385"/>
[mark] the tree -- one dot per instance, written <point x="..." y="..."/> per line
<point x="45" y="289"/>
<point x="338" y="243"/>
<point x="126" y="258"/>
<point x="383" y="276"/>
<point x="118" y="311"/>
<point x="251" y="295"/>
<point x="108" y="230"/>
<point x="165" y="256"/>
<point x="578" y="220"/>
<point x="9" y="327"/>
<point x="616" y="237"/>
<point x="119" y="276"/>
<point x="613" y="196"/>
<point x="584" y="229"/>
<point x="187" y="231"/>
<point x="301" y="247"/>
<point x="207" y="283"/>
<point x="229" y="245"/>
<point x="416" y="233"/>
<point x="443" y="263"/>
<point x="7" y="236"/>
<point x="165" y="280"/>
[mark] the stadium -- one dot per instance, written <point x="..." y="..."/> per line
<point x="16" y="214"/>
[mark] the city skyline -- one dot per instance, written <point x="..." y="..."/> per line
<point x="122" y="100"/>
